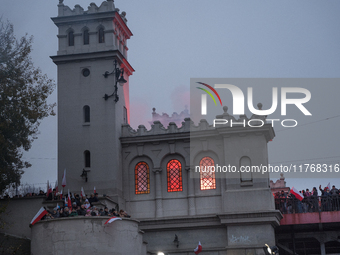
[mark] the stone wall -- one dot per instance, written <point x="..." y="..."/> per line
<point x="87" y="235"/>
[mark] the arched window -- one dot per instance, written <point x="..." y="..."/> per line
<point x="142" y="178"/>
<point x="101" y="35"/>
<point x="87" y="157"/>
<point x="70" y="38"/>
<point x="207" y="173"/>
<point x="86" y="110"/>
<point x="174" y="175"/>
<point x="245" y="176"/>
<point x="86" y="36"/>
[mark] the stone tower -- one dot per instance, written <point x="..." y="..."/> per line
<point x="91" y="107"/>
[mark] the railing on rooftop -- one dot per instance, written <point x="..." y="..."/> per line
<point x="309" y="204"/>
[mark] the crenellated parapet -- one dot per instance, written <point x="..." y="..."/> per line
<point x="157" y="129"/>
<point x="99" y="28"/>
<point x="222" y="120"/>
<point x="165" y="118"/>
<point x="106" y="6"/>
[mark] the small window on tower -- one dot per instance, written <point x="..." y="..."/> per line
<point x="101" y="35"/>
<point x="86" y="110"/>
<point x="174" y="175"/>
<point x="125" y="115"/>
<point x="87" y="157"/>
<point x="70" y="38"/>
<point x="142" y="178"/>
<point x="86" y="37"/>
<point x="86" y="72"/>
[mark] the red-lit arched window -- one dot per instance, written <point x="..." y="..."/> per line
<point x="142" y="178"/>
<point x="207" y="173"/>
<point x="174" y="175"/>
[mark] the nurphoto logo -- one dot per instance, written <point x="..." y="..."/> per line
<point x="238" y="99"/>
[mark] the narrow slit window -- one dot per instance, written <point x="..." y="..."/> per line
<point x="70" y="38"/>
<point x="174" y="176"/>
<point x="125" y="115"/>
<point x="101" y="35"/>
<point x="86" y="113"/>
<point x="86" y="37"/>
<point x="87" y="156"/>
<point x="207" y="174"/>
<point x="142" y="178"/>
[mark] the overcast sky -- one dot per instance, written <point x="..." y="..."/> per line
<point x="177" y="40"/>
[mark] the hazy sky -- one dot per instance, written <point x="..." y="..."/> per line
<point x="177" y="40"/>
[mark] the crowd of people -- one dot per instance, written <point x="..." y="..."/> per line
<point x="329" y="200"/>
<point x="81" y="207"/>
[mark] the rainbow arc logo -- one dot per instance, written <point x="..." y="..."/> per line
<point x="209" y="93"/>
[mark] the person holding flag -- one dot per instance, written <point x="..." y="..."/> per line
<point x="297" y="198"/>
<point x="82" y="193"/>
<point x="69" y="203"/>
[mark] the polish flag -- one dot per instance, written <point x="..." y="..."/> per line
<point x="198" y="248"/>
<point x="82" y="193"/>
<point x="61" y="194"/>
<point x="63" y="182"/>
<point x="329" y="186"/>
<point x="38" y="216"/>
<point x="69" y="204"/>
<point x="112" y="219"/>
<point x="94" y="190"/>
<point x="296" y="193"/>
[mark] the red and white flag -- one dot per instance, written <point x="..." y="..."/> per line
<point x="296" y="193"/>
<point x="49" y="189"/>
<point x="329" y="186"/>
<point x="69" y="204"/>
<point x="112" y="219"/>
<point x="63" y="182"/>
<point x="94" y="190"/>
<point x="38" y="216"/>
<point x="82" y="193"/>
<point x="61" y="194"/>
<point x="198" y="248"/>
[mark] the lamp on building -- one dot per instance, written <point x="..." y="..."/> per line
<point x="84" y="175"/>
<point x="119" y="74"/>
<point x="176" y="241"/>
<point x="160" y="253"/>
<point x="271" y="250"/>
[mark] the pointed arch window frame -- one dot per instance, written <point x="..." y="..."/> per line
<point x="101" y="34"/>
<point x="86" y="36"/>
<point x="142" y="178"/>
<point x="174" y="176"/>
<point x="207" y="178"/>
<point x="70" y="37"/>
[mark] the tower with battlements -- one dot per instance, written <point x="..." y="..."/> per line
<point x="92" y="106"/>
